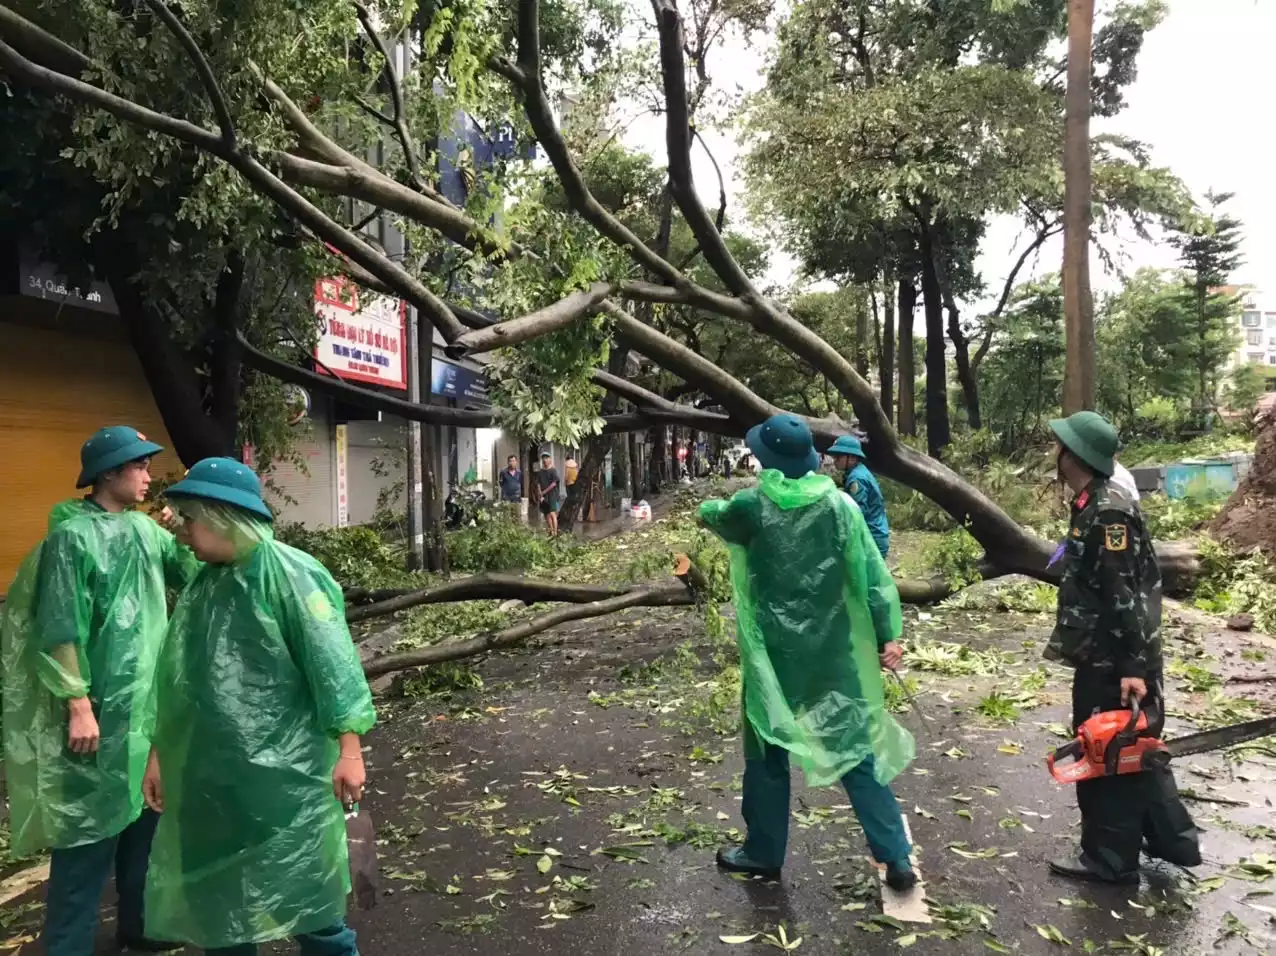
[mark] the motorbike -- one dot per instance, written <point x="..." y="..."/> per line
<point x="461" y="506"/>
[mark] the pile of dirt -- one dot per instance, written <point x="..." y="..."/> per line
<point x="1248" y="520"/>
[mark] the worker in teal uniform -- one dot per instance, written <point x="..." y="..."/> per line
<point x="81" y="633"/>
<point x="817" y="617"/>
<point x="859" y="483"/>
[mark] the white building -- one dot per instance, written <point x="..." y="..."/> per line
<point x="1257" y="327"/>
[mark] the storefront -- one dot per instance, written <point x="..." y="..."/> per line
<point x="66" y="370"/>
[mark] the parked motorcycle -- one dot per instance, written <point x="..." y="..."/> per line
<point x="461" y="507"/>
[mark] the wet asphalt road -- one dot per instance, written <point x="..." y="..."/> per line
<point x="559" y="753"/>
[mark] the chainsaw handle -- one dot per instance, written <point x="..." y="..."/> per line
<point x="1134" y="716"/>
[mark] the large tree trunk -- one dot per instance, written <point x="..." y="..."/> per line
<point x="170" y="374"/>
<point x="907" y="366"/>
<point x="861" y="336"/>
<point x="937" y="428"/>
<point x="886" y="355"/>
<point x="577" y="499"/>
<point x="961" y="346"/>
<point x="1078" y="306"/>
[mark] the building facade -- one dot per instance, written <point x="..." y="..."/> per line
<point x="67" y="368"/>
<point x="1256" y="325"/>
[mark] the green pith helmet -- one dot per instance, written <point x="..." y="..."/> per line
<point x="226" y="480"/>
<point x="111" y="448"/>
<point x="1090" y="437"/>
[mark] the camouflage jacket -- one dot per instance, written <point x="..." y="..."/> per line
<point x="1109" y="615"/>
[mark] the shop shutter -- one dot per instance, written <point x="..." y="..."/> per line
<point x="57" y="389"/>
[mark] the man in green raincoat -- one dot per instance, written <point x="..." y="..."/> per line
<point x="817" y="617"/>
<point x="81" y="631"/>
<point x="261" y="704"/>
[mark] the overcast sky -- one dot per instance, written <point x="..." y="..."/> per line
<point x="1204" y="92"/>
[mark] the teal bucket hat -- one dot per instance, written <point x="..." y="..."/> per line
<point x="225" y="480"/>
<point x="847" y="445"/>
<point x="110" y="448"/>
<point x="784" y="442"/>
<point x="1089" y="436"/>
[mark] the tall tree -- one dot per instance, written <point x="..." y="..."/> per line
<point x="907" y="361"/>
<point x="1210" y="252"/>
<point x="1078" y="304"/>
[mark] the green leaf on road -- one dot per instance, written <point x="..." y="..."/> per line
<point x="1052" y="934"/>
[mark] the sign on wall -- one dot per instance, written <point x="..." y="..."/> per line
<point x="343" y="488"/>
<point x="361" y="337"/>
<point x="42" y="280"/>
<point x="458" y="382"/>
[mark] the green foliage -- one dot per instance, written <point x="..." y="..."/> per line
<point x="1168" y="519"/>
<point x="432" y="623"/>
<point x="1022" y="377"/>
<point x="356" y="557"/>
<point x="1203" y="446"/>
<point x="1028" y="597"/>
<point x="442" y="681"/>
<point x="499" y="540"/>
<point x="1233" y="583"/>
<point x="897" y="694"/>
<point x="955" y="557"/>
<point x="1246" y="385"/>
<point x="998" y="707"/>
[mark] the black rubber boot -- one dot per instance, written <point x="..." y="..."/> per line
<point x="1077" y="867"/>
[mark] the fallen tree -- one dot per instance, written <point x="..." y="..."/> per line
<point x="311" y="175"/>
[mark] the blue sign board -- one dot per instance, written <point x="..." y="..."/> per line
<point x="458" y="382"/>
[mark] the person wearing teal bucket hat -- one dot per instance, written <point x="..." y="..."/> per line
<point x="1107" y="628"/>
<point x="817" y="617"/>
<point x="79" y="637"/>
<point x="861" y="485"/>
<point x="261" y="705"/>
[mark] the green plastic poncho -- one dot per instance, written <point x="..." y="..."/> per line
<point x="813" y="602"/>
<point x="258" y="678"/>
<point x="86" y="615"/>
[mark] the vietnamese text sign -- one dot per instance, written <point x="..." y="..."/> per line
<point x="361" y="336"/>
<point x="458" y="382"/>
<point x="41" y="280"/>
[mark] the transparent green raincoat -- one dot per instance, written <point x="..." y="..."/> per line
<point x="257" y="680"/>
<point x="85" y="615"/>
<point x="813" y="601"/>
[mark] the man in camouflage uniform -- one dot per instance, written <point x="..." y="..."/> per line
<point x="1108" y="628"/>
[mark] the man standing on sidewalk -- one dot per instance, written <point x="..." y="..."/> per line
<point x="81" y="632"/>
<point x="817" y="617"/>
<point x="511" y="481"/>
<point x="548" y="490"/>
<point x="1108" y="628"/>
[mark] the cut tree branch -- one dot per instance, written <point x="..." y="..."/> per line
<point x="487" y="587"/>
<point x="520" y="632"/>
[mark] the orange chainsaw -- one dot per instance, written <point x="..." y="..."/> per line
<point x="1120" y="741"/>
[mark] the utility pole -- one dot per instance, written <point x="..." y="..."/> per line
<point x="416" y="515"/>
<point x="1078" y="305"/>
<point x="432" y="519"/>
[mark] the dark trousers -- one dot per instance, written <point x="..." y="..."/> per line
<point x="334" y="941"/>
<point x="77" y="877"/>
<point x="1120" y="813"/>
<point x="766" y="806"/>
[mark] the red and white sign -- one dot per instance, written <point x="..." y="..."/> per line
<point x="363" y="341"/>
